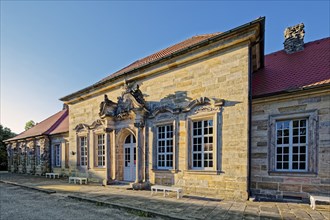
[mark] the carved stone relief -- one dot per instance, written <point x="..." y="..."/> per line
<point x="131" y="99"/>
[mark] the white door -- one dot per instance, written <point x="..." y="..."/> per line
<point x="130" y="158"/>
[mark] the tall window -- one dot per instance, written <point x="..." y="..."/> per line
<point x="165" y="147"/>
<point x="37" y="155"/>
<point x="202" y="141"/>
<point x="100" y="150"/>
<point x="291" y="145"/>
<point x="83" y="151"/>
<point x="58" y="155"/>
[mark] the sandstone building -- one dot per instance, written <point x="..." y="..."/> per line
<point x="211" y="114"/>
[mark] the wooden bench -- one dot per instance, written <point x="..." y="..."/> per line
<point x="320" y="198"/>
<point x="167" y="189"/>
<point x="81" y="180"/>
<point x="53" y="175"/>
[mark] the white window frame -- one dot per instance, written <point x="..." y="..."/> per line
<point x="57" y="155"/>
<point x="311" y="117"/>
<point x="202" y="136"/>
<point x="83" y="151"/>
<point x="165" y="153"/>
<point x="100" y="150"/>
<point x="291" y="145"/>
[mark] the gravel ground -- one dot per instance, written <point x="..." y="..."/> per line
<point x="20" y="203"/>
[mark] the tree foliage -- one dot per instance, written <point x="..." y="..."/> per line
<point x="29" y="124"/>
<point x="5" y="133"/>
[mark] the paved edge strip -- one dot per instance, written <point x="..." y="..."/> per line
<point x="138" y="211"/>
<point x="48" y="191"/>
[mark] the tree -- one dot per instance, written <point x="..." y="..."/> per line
<point x="5" y="133"/>
<point x="29" y="124"/>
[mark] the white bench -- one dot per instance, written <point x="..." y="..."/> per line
<point x="314" y="198"/>
<point x="81" y="180"/>
<point x="53" y="175"/>
<point x="167" y="189"/>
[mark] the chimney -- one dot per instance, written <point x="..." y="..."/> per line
<point x="294" y="38"/>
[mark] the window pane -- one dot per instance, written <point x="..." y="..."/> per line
<point x="295" y="166"/>
<point x="296" y="123"/>
<point x="302" y="157"/>
<point x="302" y="131"/>
<point x="302" y="139"/>
<point x="279" y="125"/>
<point x="302" y="123"/>
<point x="303" y="166"/>
<point x="286" y="166"/>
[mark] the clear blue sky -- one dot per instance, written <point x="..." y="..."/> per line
<point x="50" y="49"/>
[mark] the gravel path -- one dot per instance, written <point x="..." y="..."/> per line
<point x="20" y="203"/>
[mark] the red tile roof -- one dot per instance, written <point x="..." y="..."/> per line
<point x="163" y="53"/>
<point x="62" y="127"/>
<point x="56" y="123"/>
<point x="287" y="72"/>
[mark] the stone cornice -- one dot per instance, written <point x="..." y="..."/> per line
<point x="320" y="90"/>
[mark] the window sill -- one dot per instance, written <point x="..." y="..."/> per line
<point x="204" y="172"/>
<point x="99" y="168"/>
<point x="292" y="173"/>
<point x="165" y="171"/>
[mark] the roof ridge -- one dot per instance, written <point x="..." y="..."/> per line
<point x="206" y="35"/>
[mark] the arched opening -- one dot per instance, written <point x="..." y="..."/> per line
<point x="130" y="158"/>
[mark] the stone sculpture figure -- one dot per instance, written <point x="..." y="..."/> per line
<point x="138" y="95"/>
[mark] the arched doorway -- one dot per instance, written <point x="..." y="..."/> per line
<point x="130" y="158"/>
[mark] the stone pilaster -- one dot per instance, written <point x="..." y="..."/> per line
<point x="9" y="156"/>
<point x="24" y="158"/>
<point x="44" y="155"/>
<point x="139" y="152"/>
<point x="31" y="157"/>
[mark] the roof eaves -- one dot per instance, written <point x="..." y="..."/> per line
<point x="289" y="91"/>
<point x="176" y="53"/>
